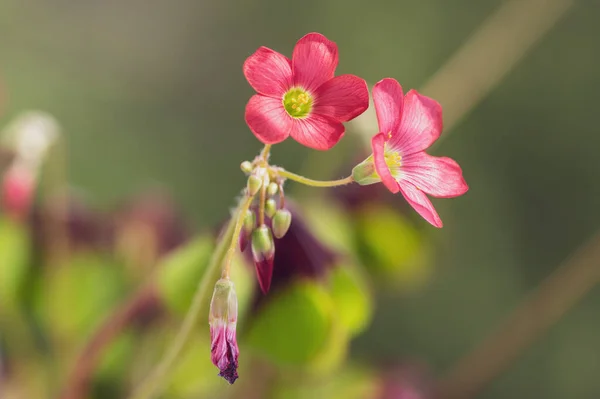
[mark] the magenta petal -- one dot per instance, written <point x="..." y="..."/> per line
<point x="378" y="145"/>
<point x="437" y="176"/>
<point x="314" y="61"/>
<point x="224" y="350"/>
<point x="419" y="201"/>
<point x="317" y="131"/>
<point x="267" y="119"/>
<point x="343" y="98"/>
<point x="264" y="273"/>
<point x="268" y="72"/>
<point x="421" y="124"/>
<point x="389" y="100"/>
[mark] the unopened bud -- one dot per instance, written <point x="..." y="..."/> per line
<point x="364" y="173"/>
<point x="223" y="321"/>
<point x="281" y="222"/>
<point x="263" y="253"/>
<point x="247" y="229"/>
<point x="246" y="167"/>
<point x="254" y="184"/>
<point x="270" y="207"/>
<point x="272" y="188"/>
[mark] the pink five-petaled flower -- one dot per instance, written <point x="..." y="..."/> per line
<point x="301" y="97"/>
<point x="408" y="126"/>
<point x="223" y="320"/>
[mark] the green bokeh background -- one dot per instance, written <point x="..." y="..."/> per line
<point x="152" y="93"/>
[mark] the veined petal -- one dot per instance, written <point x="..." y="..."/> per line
<point x="419" y="201"/>
<point x="267" y="119"/>
<point x="420" y="126"/>
<point x="314" y="61"/>
<point x="343" y="98"/>
<point x="268" y="72"/>
<point x="389" y="102"/>
<point x="317" y="131"/>
<point x="437" y="176"/>
<point x="378" y="145"/>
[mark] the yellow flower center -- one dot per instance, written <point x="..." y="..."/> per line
<point x="297" y="102"/>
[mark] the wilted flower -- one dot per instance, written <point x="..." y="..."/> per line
<point x="408" y="126"/>
<point x="301" y="97"/>
<point x="223" y="320"/>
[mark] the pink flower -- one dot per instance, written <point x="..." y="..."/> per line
<point x="408" y="126"/>
<point x="223" y="320"/>
<point x="18" y="187"/>
<point x="301" y="98"/>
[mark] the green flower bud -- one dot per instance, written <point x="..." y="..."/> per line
<point x="246" y="167"/>
<point x="247" y="229"/>
<point x="270" y="207"/>
<point x="254" y="184"/>
<point x="364" y="173"/>
<point x="272" y="188"/>
<point x="281" y="222"/>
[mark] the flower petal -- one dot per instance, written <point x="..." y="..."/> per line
<point x="419" y="201"/>
<point x="343" y="98"/>
<point x="317" y="131"/>
<point x="378" y="145"/>
<point x="437" y="176"/>
<point x="421" y="124"/>
<point x="268" y="72"/>
<point x="314" y="61"/>
<point x="267" y="119"/>
<point x="389" y="101"/>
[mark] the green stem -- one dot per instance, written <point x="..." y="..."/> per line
<point x="154" y="383"/>
<point x="243" y="209"/>
<point x="314" y="183"/>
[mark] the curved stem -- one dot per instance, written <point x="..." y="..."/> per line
<point x="236" y="234"/>
<point x="314" y="183"/>
<point x="152" y="385"/>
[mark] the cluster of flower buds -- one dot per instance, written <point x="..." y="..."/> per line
<point x="267" y="218"/>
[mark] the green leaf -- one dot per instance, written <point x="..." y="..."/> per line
<point x="294" y="325"/>
<point x="14" y="261"/>
<point x="352" y="298"/>
<point x="392" y="246"/>
<point x="180" y="273"/>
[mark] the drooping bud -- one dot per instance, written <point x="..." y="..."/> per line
<point x="272" y="188"/>
<point x="246" y="167"/>
<point x="270" y="207"/>
<point x="247" y="229"/>
<point x="263" y="253"/>
<point x="281" y="222"/>
<point x="364" y="173"/>
<point x="223" y="319"/>
<point x="254" y="184"/>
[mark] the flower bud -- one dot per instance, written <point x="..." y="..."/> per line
<point x="247" y="228"/>
<point x="223" y="320"/>
<point x="272" y="188"/>
<point x="270" y="207"/>
<point x="254" y="184"/>
<point x="364" y="173"/>
<point x="281" y="222"/>
<point x="246" y="167"/>
<point x="263" y="252"/>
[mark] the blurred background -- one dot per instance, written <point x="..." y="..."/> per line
<point x="142" y="137"/>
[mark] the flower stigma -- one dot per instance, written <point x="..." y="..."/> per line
<point x="297" y="102"/>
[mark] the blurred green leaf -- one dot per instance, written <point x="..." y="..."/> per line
<point x="294" y="325"/>
<point x="392" y="246"/>
<point x="78" y="294"/>
<point x="180" y="273"/>
<point x="352" y="298"/>
<point x="14" y="261"/>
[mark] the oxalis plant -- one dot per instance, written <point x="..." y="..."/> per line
<point x="301" y="97"/>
